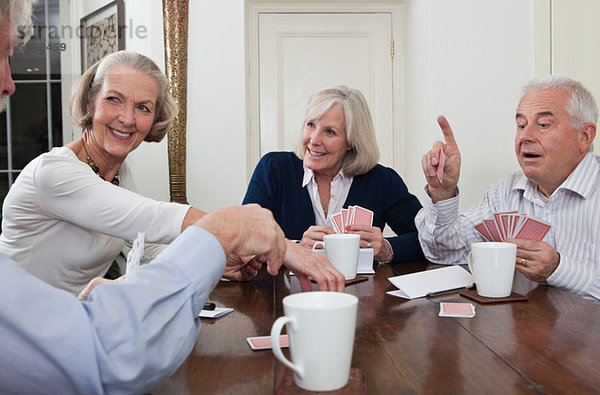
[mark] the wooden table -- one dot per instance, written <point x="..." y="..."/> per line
<point x="548" y="344"/>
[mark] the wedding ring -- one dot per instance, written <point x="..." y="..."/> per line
<point x="522" y="261"/>
<point x="369" y="245"/>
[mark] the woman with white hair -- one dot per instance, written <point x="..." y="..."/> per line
<point x="334" y="167"/>
<point x="72" y="210"/>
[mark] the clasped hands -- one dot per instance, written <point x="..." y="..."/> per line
<point x="370" y="237"/>
<point x="248" y="230"/>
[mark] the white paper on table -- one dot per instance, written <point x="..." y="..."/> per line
<point x="217" y="312"/>
<point x="417" y="285"/>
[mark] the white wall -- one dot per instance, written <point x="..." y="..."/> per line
<point x="216" y="118"/>
<point x="216" y="135"/>
<point x="466" y="60"/>
<point x="463" y="58"/>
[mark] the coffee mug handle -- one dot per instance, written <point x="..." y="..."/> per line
<point x="318" y="243"/>
<point x="276" y="347"/>
<point x="470" y="262"/>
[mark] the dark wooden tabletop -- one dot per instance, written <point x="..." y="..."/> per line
<point x="547" y="344"/>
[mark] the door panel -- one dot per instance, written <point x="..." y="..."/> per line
<point x="300" y="53"/>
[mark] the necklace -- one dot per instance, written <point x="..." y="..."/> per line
<point x="92" y="164"/>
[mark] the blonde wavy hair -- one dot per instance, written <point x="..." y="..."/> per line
<point x="87" y="87"/>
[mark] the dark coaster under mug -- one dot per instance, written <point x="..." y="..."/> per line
<point x="472" y="294"/>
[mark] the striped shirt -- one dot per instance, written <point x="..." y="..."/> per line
<point x="573" y="210"/>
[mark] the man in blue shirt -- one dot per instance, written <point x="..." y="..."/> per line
<point x="128" y="336"/>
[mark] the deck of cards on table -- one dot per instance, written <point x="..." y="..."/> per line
<point x="351" y="216"/>
<point x="512" y="225"/>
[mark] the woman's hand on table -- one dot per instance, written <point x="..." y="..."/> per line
<point x="372" y="237"/>
<point x="313" y="234"/>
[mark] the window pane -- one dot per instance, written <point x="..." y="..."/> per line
<point x="3" y="145"/>
<point x="29" y="123"/>
<point x="57" y="133"/>
<point x="54" y="34"/>
<point x="29" y="62"/>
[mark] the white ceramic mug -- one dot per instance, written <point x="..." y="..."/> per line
<point x="321" y="327"/>
<point x="342" y="252"/>
<point x="493" y="267"/>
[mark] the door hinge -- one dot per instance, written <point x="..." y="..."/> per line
<point x="392" y="49"/>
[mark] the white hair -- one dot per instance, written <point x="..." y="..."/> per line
<point x="20" y="17"/>
<point x="582" y="108"/>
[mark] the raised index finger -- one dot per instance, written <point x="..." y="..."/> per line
<point x="446" y="130"/>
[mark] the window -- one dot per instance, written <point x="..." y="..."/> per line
<point x="32" y="123"/>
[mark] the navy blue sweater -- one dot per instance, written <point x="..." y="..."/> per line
<point x="277" y="185"/>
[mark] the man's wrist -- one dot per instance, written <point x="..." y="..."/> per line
<point x="438" y="195"/>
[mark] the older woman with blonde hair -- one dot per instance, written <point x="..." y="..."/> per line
<point x="334" y="167"/>
<point x="71" y="210"/>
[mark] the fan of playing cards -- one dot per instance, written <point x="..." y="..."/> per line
<point x="350" y="216"/>
<point x="512" y="225"/>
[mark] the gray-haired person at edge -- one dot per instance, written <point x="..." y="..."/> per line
<point x="558" y="183"/>
<point x="54" y="343"/>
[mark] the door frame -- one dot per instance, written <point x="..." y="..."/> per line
<point x="252" y="82"/>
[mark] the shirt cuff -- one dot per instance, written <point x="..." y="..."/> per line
<point x="569" y="276"/>
<point x="391" y="249"/>
<point x="199" y="255"/>
<point x="442" y="212"/>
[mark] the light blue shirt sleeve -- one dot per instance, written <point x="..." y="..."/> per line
<point x="126" y="338"/>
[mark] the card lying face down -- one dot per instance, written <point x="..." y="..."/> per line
<point x="264" y="342"/>
<point x="464" y="310"/>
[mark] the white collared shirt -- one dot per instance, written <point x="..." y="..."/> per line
<point x="340" y="186"/>
<point x="573" y="210"/>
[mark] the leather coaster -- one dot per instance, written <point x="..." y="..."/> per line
<point x="356" y="384"/>
<point x="472" y="294"/>
<point x="355" y="280"/>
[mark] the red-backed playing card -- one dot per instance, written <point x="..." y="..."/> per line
<point x="363" y="216"/>
<point x="351" y="215"/>
<point x="490" y="224"/>
<point x="345" y="218"/>
<point x="481" y="228"/>
<point x="466" y="310"/>
<point x="533" y="229"/>
<point x="502" y="223"/>
<point x="337" y="222"/>
<point x="264" y="342"/>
